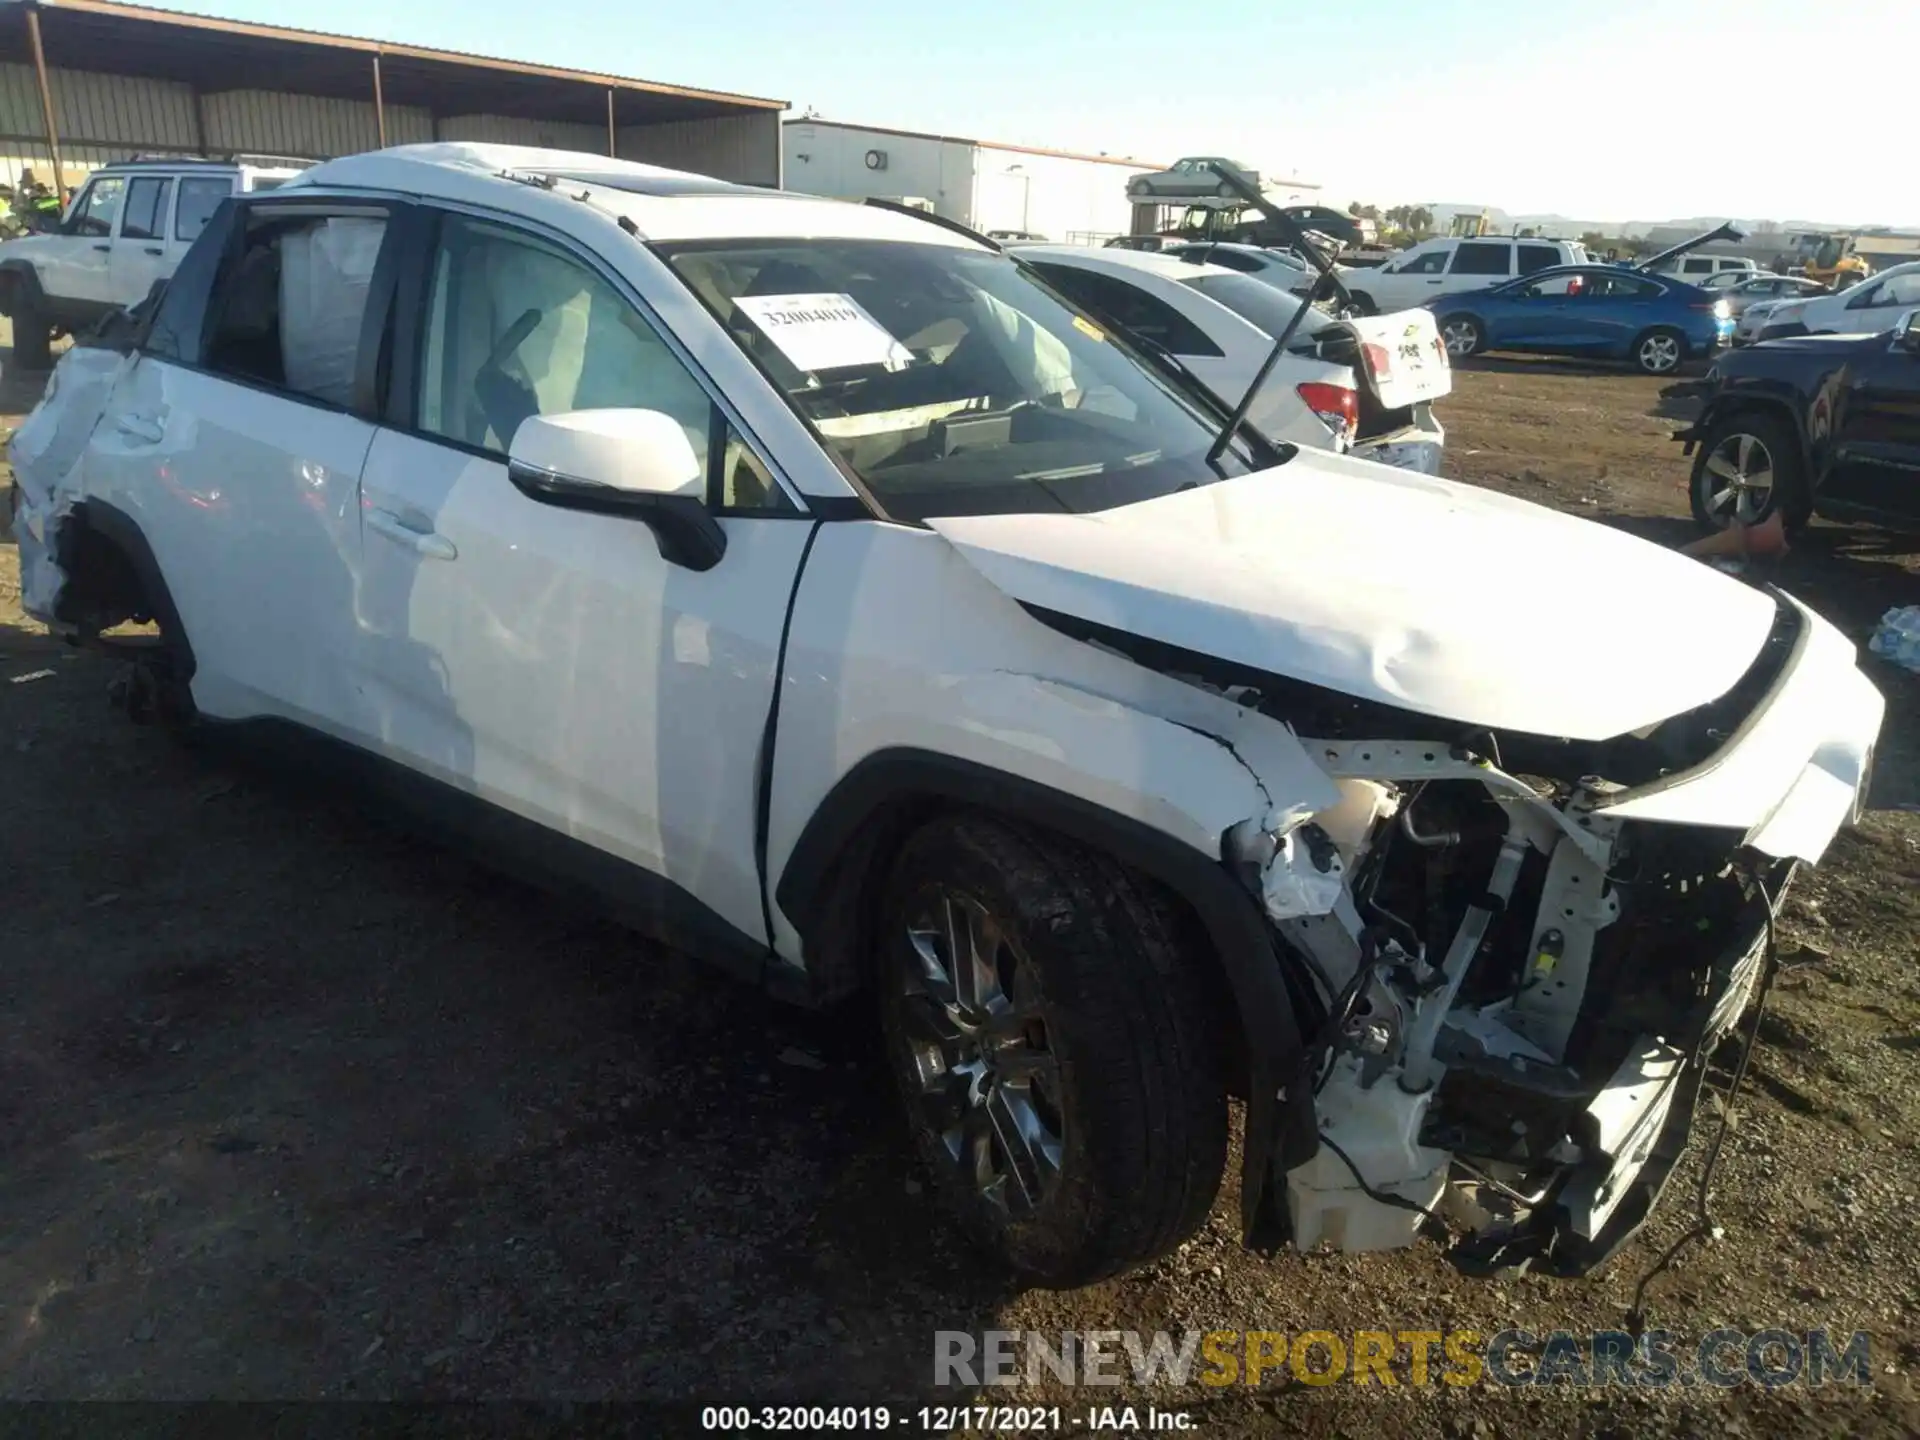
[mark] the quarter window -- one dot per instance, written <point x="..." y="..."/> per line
<point x="516" y="327"/>
<point x="146" y="213"/>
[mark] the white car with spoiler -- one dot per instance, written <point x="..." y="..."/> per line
<point x="1362" y="386"/>
<point x="827" y="595"/>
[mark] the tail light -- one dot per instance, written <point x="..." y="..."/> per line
<point x="1337" y="406"/>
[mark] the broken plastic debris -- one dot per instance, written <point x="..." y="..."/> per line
<point x="1897" y="638"/>
<point x="1306" y="876"/>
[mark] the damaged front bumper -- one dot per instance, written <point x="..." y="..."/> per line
<point x="1516" y="978"/>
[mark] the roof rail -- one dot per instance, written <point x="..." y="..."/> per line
<point x="958" y="227"/>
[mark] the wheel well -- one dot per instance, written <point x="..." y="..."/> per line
<point x="112" y="577"/>
<point x="1762" y="408"/>
<point x="842" y="939"/>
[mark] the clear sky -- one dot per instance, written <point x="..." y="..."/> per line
<point x="1599" y="110"/>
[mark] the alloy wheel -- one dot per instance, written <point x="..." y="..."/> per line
<point x="983" y="1067"/>
<point x="1461" y="336"/>
<point x="1659" y="354"/>
<point x="1739" y="478"/>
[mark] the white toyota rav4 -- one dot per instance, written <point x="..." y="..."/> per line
<point x="824" y="592"/>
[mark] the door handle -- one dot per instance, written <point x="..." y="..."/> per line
<point x="422" y="542"/>
<point x="154" y="250"/>
<point x="144" y="428"/>
<point x="103" y="247"/>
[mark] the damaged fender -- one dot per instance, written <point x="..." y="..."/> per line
<point x="45" y="454"/>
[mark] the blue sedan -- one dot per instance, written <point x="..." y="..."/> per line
<point x="1599" y="311"/>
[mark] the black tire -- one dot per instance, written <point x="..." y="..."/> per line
<point x="1466" y="338"/>
<point x="1363" y="302"/>
<point x="32" y="337"/>
<point x="1660" y="351"/>
<point x="1771" y="440"/>
<point x="1225" y="191"/>
<point x="1108" y="1021"/>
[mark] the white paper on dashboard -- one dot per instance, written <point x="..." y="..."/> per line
<point x="824" y="332"/>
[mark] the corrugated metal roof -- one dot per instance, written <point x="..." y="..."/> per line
<point x="207" y="51"/>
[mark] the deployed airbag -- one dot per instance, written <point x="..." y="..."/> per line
<point x="326" y="271"/>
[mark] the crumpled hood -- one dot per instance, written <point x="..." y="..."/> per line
<point x="1418" y="592"/>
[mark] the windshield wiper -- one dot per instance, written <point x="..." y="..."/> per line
<point x="1249" y="192"/>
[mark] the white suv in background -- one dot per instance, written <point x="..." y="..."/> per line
<point x="1446" y="266"/>
<point x="820" y="590"/>
<point x="126" y="229"/>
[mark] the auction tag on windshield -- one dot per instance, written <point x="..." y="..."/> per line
<point x="824" y="332"/>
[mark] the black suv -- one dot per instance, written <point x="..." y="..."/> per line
<point x="1818" y="424"/>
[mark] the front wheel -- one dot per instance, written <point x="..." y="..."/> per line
<point x="1748" y="466"/>
<point x="1463" y="336"/>
<point x="1053" y="1039"/>
<point x="32" y="337"/>
<point x="1363" y="303"/>
<point x="1659" y="352"/>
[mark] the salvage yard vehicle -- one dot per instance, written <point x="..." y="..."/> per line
<point x="1597" y="311"/>
<point x="1744" y="292"/>
<point x="1449" y="266"/>
<point x="820" y="590"/>
<point x="1870" y="307"/>
<point x="1820" y="425"/>
<point x="123" y="232"/>
<point x="1189" y="179"/>
<point x="1366" y="387"/>
<point x="1276" y="267"/>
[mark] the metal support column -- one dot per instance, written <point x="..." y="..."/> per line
<point x="613" y="139"/>
<point x="379" y="103"/>
<point x="58" y="184"/>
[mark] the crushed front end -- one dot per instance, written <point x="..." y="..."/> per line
<point x="1518" y="953"/>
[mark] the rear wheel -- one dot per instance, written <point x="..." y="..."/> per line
<point x="1659" y="352"/>
<point x="1749" y="466"/>
<point x="1363" y="303"/>
<point x="1463" y="336"/>
<point x="1053" y="1040"/>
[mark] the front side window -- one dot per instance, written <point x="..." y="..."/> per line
<point x="286" y="311"/>
<point x="517" y="327"/>
<point x="1901" y="290"/>
<point x="952" y="381"/>
<point x="1479" y="258"/>
<point x="96" y="211"/>
<point x="1431" y="263"/>
<point x="145" y="217"/>
<point x="199" y="198"/>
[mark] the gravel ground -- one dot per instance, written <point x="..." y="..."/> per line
<point x="293" y="1106"/>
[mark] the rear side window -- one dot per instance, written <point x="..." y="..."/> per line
<point x="1476" y="257"/>
<point x="145" y="217"/>
<point x="287" y="311"/>
<point x="200" y="196"/>
<point x="1537" y="257"/>
<point x="1128" y="307"/>
<point x="1234" y="260"/>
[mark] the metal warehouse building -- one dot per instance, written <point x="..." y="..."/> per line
<point x="1064" y="196"/>
<point x="83" y="82"/>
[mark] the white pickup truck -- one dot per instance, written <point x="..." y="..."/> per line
<point x="126" y="229"/>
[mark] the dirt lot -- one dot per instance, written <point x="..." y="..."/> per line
<point x="294" y="1106"/>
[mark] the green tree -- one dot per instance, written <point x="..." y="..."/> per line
<point x="1419" y="220"/>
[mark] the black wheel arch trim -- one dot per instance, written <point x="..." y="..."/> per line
<point x="123" y="532"/>
<point x="1726" y="406"/>
<point x="1281" y="1128"/>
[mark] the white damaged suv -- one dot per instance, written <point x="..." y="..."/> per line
<point x="823" y="592"/>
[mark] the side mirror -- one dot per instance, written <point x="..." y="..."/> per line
<point x="1906" y="332"/>
<point x="634" y="463"/>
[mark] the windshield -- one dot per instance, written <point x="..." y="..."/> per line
<point x="1259" y="303"/>
<point x="952" y="381"/>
